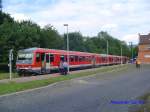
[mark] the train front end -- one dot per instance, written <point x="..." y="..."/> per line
<point x="25" y="60"/>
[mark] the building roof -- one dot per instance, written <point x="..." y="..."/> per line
<point x="144" y="39"/>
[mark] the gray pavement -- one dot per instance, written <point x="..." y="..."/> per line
<point x="88" y="94"/>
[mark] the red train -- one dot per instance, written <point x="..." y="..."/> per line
<point x="40" y="60"/>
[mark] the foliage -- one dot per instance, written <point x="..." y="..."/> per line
<point x="97" y="44"/>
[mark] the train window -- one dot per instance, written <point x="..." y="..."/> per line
<point x="52" y="58"/>
<point x="66" y="58"/>
<point x="47" y="58"/>
<point x="116" y="59"/>
<point x="43" y="56"/>
<point x="89" y="59"/>
<point x="76" y="58"/>
<point x="110" y="59"/>
<point x="80" y="58"/>
<point x="83" y="58"/>
<point x="104" y="59"/>
<point x="62" y="58"/>
<point x="71" y="58"/>
<point x="37" y="57"/>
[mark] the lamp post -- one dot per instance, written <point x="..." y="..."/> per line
<point x="66" y="25"/>
<point x="121" y="54"/>
<point x="107" y="53"/>
<point x="10" y="63"/>
<point x="131" y="45"/>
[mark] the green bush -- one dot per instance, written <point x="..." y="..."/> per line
<point x="4" y="67"/>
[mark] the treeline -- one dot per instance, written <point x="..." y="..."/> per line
<point x="19" y="35"/>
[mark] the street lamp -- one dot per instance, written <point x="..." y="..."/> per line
<point x="131" y="46"/>
<point x="10" y="63"/>
<point x="107" y="52"/>
<point x="66" y="25"/>
<point x="121" y="53"/>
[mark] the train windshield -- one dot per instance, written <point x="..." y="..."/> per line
<point x="25" y="57"/>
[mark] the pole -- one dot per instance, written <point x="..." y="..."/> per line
<point x="67" y="47"/>
<point x="10" y="63"/>
<point x="121" y="55"/>
<point x="132" y="50"/>
<point x="107" y="52"/>
<point x="131" y="47"/>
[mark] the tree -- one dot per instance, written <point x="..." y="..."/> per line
<point x="90" y="46"/>
<point x="50" y="38"/>
<point x="5" y="17"/>
<point x="76" y="41"/>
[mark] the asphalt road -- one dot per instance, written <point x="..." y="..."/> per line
<point x="90" y="94"/>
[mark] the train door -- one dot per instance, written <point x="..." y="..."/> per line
<point x="62" y="58"/>
<point x="47" y="62"/>
<point x="93" y="61"/>
<point x="43" y="65"/>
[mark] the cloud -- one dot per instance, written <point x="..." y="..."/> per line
<point x="131" y="38"/>
<point x="110" y="26"/>
<point x="116" y="6"/>
<point x="20" y="16"/>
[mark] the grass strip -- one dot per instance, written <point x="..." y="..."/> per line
<point x="4" y="75"/>
<point x="11" y="87"/>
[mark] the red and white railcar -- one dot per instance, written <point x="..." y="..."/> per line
<point x="40" y="60"/>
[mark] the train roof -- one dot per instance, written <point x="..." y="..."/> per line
<point x="28" y="49"/>
<point x="56" y="51"/>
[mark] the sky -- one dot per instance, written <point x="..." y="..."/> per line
<point x="123" y="19"/>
